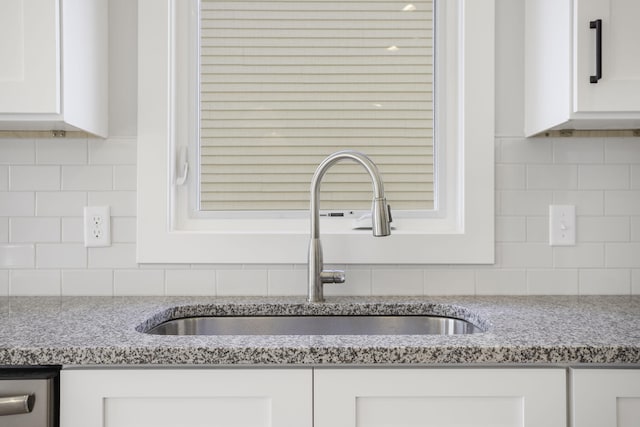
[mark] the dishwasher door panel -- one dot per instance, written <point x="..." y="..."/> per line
<point x="27" y="402"/>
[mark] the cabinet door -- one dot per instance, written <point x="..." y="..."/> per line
<point x="29" y="48"/>
<point x="440" y="397"/>
<point x="619" y="88"/>
<point x="606" y="397"/>
<point x="185" y="398"/>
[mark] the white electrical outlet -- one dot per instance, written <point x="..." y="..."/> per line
<point x="97" y="226"/>
<point x="562" y="225"/>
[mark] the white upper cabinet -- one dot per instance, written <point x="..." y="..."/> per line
<point x="54" y="65"/>
<point x="582" y="65"/>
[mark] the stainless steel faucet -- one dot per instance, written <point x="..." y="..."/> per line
<point x="380" y="218"/>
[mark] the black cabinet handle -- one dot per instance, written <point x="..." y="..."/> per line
<point x="597" y="25"/>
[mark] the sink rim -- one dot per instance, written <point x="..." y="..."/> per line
<point x="306" y="325"/>
<point x="341" y="308"/>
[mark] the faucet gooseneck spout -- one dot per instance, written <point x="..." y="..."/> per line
<point x="380" y="218"/>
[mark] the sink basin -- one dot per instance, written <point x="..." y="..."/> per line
<point x="316" y="325"/>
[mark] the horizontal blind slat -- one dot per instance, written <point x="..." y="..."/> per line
<point x="316" y="42"/>
<point x="310" y="133"/>
<point x="327" y="33"/>
<point x="302" y="169"/>
<point x="266" y="97"/>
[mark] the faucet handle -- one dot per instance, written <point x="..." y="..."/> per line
<point x="332" y="276"/>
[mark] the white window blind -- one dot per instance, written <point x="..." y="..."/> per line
<point x="285" y="83"/>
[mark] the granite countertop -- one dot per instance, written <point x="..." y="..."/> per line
<point x="519" y="330"/>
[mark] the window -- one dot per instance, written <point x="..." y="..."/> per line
<point x="285" y="84"/>
<point x="461" y="232"/>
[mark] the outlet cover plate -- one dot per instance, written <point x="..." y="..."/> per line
<point x="97" y="226"/>
<point x="562" y="225"/>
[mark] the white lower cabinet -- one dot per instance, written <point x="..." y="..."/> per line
<point x="440" y="398"/>
<point x="186" y="398"/>
<point x="605" y="397"/>
<point x="313" y="397"/>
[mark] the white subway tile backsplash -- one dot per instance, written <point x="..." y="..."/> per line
<point x="511" y="229"/>
<point x="622" y="255"/>
<point x="241" y="282"/>
<point x="635" y="177"/>
<point x="16" y="204"/>
<point x="190" y="282"/>
<point x="603" y="229"/>
<point x="123" y="230"/>
<point x="449" y="282"/>
<point x="357" y="282"/>
<point x="138" y="282"/>
<point x="635" y="282"/>
<point x="4" y="229"/>
<point x="73" y="230"/>
<point x="118" y="255"/>
<point x="501" y="282"/>
<point x="605" y="282"/>
<point x="17" y="256"/>
<point x="17" y="151"/>
<point x="67" y="151"/>
<point x="583" y="255"/>
<point x="578" y="150"/>
<point x="622" y="150"/>
<point x="408" y="281"/>
<point x="510" y="177"/>
<point x="635" y="229"/>
<point x="531" y="151"/>
<point x="124" y="178"/>
<point x="552" y="282"/>
<point x="34" y="178"/>
<point x="60" y="203"/>
<point x="526" y="255"/>
<point x="122" y="203"/>
<point x="538" y="229"/>
<point x="4" y="178"/>
<point x="288" y="282"/>
<point x="586" y="202"/>
<point x="87" y="282"/>
<point x="87" y="178"/>
<point x="34" y="282"/>
<point x="552" y="177"/>
<point x="4" y="283"/>
<point x="34" y="229"/>
<point x="525" y="202"/>
<point x="114" y="151"/>
<point x="604" y="177"/>
<point x="64" y="255"/>
<point x="54" y="179"/>
<point x="622" y="203"/>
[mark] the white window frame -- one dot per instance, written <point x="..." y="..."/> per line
<point x="464" y="235"/>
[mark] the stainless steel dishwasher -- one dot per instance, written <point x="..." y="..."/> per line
<point x="29" y="397"/>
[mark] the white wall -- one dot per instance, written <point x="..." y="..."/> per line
<point x="45" y="183"/>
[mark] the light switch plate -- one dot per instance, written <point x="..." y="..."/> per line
<point x="97" y="226"/>
<point x="562" y="225"/>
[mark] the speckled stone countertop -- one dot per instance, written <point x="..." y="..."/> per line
<point x="519" y="330"/>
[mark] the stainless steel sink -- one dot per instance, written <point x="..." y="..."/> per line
<point x="316" y="325"/>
